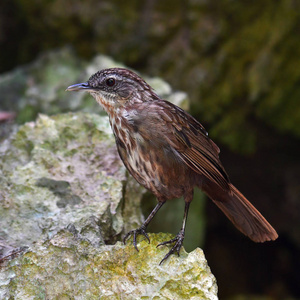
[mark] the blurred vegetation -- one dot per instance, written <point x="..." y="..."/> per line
<point x="238" y="60"/>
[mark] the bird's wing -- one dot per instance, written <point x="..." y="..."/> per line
<point x="190" y="140"/>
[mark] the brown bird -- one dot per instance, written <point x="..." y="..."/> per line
<point x="169" y="152"/>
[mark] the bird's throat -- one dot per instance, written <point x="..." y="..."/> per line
<point x="107" y="103"/>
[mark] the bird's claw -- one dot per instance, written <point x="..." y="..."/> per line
<point x="178" y="240"/>
<point x="135" y="233"/>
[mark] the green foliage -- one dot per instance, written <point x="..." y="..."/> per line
<point x="253" y="73"/>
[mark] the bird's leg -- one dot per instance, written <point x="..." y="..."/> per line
<point x="142" y="229"/>
<point x="178" y="240"/>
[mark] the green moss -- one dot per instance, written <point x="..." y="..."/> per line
<point x="64" y="267"/>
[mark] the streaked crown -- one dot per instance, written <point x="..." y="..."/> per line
<point x="122" y="84"/>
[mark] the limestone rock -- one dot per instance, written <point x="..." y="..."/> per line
<point x="68" y="266"/>
<point x="63" y="170"/>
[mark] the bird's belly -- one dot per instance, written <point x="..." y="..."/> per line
<point x="163" y="175"/>
<point x="153" y="164"/>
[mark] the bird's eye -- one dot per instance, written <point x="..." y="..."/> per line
<point x="110" y="82"/>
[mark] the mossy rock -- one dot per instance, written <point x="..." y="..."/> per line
<point x="68" y="266"/>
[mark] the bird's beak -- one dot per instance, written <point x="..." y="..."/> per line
<point x="80" y="86"/>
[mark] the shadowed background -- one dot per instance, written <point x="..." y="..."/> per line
<point x="239" y="62"/>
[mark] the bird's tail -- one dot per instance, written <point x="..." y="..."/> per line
<point x="243" y="214"/>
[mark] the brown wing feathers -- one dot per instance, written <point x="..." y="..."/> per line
<point x="202" y="155"/>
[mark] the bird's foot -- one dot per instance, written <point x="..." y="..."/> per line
<point x="178" y="240"/>
<point x="135" y="233"/>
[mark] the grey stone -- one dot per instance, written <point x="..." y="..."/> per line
<point x="63" y="170"/>
<point x="69" y="267"/>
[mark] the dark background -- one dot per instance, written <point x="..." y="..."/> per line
<point x="239" y="62"/>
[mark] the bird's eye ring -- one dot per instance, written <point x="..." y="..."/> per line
<point x="110" y="82"/>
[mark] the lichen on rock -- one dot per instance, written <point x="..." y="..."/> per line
<point x="57" y="171"/>
<point x="68" y="266"/>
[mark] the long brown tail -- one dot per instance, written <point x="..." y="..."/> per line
<point x="243" y="215"/>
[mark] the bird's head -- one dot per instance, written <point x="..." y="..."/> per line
<point x="116" y="87"/>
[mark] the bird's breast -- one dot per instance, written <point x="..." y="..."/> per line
<point x="153" y="165"/>
<point x="131" y="147"/>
